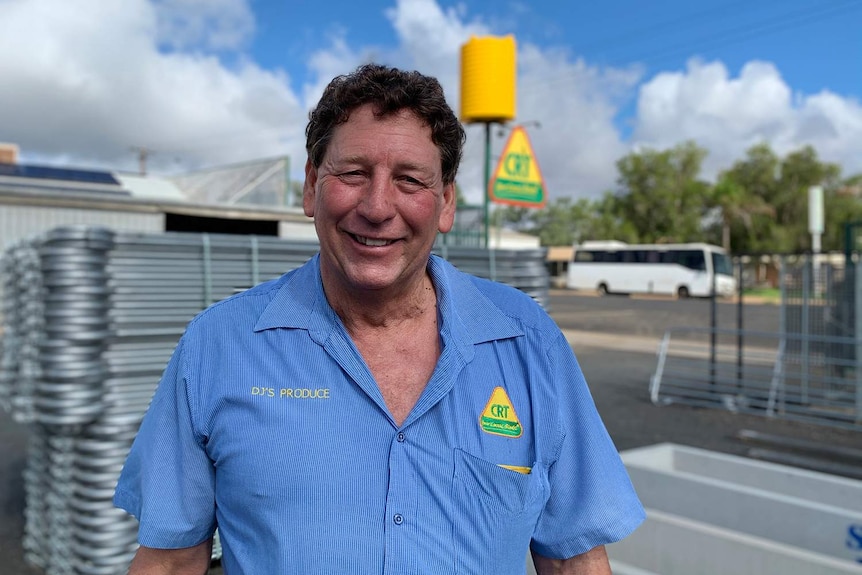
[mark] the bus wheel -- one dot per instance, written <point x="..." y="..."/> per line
<point x="603" y="289"/>
<point x="682" y="292"/>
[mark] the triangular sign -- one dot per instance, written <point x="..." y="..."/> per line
<point x="518" y="180"/>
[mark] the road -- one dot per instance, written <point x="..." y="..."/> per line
<point x="615" y="339"/>
<point x="652" y="316"/>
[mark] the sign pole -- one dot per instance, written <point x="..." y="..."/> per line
<point x="487" y="182"/>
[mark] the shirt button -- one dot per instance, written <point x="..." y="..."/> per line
<point x="398" y="519"/>
<point x="401" y="437"/>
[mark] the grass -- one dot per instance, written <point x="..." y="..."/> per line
<point x="769" y="294"/>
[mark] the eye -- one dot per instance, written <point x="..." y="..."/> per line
<point x="351" y="177"/>
<point x="412" y="182"/>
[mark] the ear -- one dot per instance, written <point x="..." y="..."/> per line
<point x="308" y="188"/>
<point x="447" y="213"/>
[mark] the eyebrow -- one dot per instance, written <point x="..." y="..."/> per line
<point x="405" y="165"/>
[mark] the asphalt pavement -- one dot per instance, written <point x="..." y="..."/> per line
<point x="615" y="339"/>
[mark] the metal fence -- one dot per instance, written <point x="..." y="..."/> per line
<point x="90" y="320"/>
<point x="808" y="370"/>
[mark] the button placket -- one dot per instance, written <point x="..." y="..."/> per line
<point x="399" y="503"/>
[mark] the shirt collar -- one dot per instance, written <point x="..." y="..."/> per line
<point x="468" y="316"/>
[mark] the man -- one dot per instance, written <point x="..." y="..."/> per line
<point x="376" y="411"/>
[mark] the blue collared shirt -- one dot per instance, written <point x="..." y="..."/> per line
<point x="268" y="423"/>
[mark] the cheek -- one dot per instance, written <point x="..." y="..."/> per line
<point x="426" y="212"/>
<point x="334" y="201"/>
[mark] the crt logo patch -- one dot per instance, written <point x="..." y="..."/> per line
<point x="499" y="417"/>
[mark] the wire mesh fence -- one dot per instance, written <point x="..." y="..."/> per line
<point x="808" y="370"/>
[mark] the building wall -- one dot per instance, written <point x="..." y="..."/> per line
<point x="303" y="231"/>
<point x="19" y="222"/>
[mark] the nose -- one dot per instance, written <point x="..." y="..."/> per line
<point x="378" y="200"/>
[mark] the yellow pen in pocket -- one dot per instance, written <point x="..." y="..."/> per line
<point x="518" y="468"/>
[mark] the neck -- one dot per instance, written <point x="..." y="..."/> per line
<point x="382" y="309"/>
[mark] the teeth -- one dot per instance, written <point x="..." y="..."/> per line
<point x="371" y="242"/>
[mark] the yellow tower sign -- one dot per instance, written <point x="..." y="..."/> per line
<point x="488" y="76"/>
<point x="518" y="180"/>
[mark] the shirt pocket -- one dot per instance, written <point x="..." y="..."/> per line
<point x="495" y="513"/>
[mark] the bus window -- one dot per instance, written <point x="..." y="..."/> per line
<point x="721" y="264"/>
<point x="693" y="259"/>
<point x="669" y="257"/>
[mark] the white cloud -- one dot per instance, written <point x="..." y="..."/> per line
<point x="85" y="81"/>
<point x="728" y="115"/>
<point x="325" y="64"/>
<point x="207" y="24"/>
<point x="431" y="39"/>
<point x="578" y="143"/>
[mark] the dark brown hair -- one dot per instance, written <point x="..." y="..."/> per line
<point x="388" y="90"/>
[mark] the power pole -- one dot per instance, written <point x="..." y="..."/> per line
<point x="143" y="154"/>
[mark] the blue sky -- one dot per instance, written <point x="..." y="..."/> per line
<point x="212" y="82"/>
<point x="817" y="44"/>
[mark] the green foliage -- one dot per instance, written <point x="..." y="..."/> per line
<point x="660" y="194"/>
<point x="842" y="205"/>
<point x="760" y="204"/>
<point x="736" y="210"/>
<point x="775" y="195"/>
<point x="460" y="200"/>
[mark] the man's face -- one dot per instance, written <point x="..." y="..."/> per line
<point x="378" y="201"/>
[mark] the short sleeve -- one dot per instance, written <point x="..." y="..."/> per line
<point x="592" y="501"/>
<point x="168" y="481"/>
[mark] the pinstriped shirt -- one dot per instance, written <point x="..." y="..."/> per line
<point x="268" y="424"/>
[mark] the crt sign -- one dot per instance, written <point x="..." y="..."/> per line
<point x="517" y="180"/>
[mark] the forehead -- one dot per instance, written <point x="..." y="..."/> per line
<point x="367" y="132"/>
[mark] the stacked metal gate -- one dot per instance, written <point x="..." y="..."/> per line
<point x="90" y="320"/>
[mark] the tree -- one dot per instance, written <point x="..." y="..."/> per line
<point x="799" y="171"/>
<point x="782" y="184"/>
<point x="660" y="193"/>
<point x="735" y="207"/>
<point x="602" y="220"/>
<point x="842" y="205"/>
<point x="564" y="221"/>
<point x="515" y="217"/>
<point x="553" y="224"/>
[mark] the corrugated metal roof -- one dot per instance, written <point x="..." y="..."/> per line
<point x="72" y="198"/>
<point x="147" y="188"/>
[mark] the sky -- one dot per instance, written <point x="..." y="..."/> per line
<point x="205" y="83"/>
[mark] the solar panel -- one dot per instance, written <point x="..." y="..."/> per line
<point x="63" y="174"/>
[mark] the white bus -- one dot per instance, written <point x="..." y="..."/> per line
<point x="674" y="269"/>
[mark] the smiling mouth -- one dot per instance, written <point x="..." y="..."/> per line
<point x="371" y="241"/>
